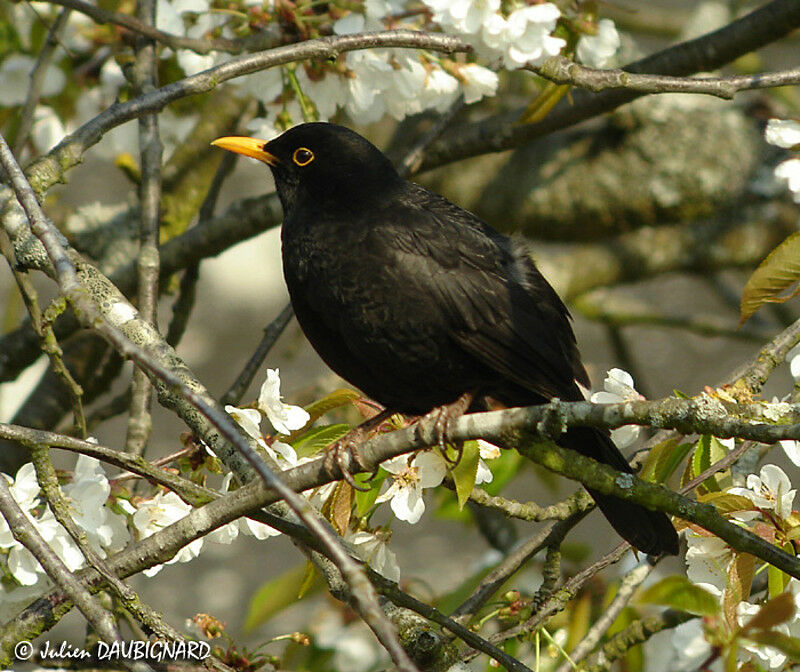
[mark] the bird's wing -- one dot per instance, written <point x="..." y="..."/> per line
<point x="499" y="308"/>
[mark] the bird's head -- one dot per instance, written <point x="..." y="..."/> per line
<point x="320" y="164"/>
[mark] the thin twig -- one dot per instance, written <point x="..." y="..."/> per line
<point x="145" y="80"/>
<point x="43" y="60"/>
<point x="627" y="587"/>
<point x="271" y="333"/>
<point x="488" y="586"/>
<point x="561" y="70"/>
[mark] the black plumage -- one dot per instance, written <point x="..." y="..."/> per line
<point x="416" y="301"/>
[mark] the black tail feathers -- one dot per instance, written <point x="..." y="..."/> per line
<point x="649" y="531"/>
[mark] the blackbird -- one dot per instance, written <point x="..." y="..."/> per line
<point x="416" y="301"/>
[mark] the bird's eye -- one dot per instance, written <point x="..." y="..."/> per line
<point x="302" y="156"/>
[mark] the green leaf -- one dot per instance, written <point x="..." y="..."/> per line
<point x="341" y="397"/>
<point x="724" y="502"/>
<point x="779" y="271"/>
<point x="776" y="581"/>
<point x="465" y="471"/>
<point x="664" y="459"/>
<point x="679" y="593"/>
<point x="365" y="500"/>
<point x="777" y="640"/>
<point x="279" y="593"/>
<point x="708" y="451"/>
<point x="319" y="438"/>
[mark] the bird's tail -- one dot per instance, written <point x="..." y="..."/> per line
<point x="649" y="531"/>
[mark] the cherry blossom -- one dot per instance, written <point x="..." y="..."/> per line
<point x="373" y="550"/>
<point x="618" y="387"/>
<point x="228" y="533"/>
<point x="486" y="451"/>
<point x="157" y="513"/>
<point x="15" y="72"/>
<point x="783" y="133"/>
<point x="771" y="490"/>
<point x="596" y="50"/>
<point x="410" y="476"/>
<point x="285" y="418"/>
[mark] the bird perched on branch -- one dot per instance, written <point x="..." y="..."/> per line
<point x="419" y="303"/>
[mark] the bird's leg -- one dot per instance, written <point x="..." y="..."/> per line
<point x="349" y="444"/>
<point x="446" y="415"/>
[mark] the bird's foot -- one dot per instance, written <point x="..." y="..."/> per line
<point x="341" y="452"/>
<point x="444" y="417"/>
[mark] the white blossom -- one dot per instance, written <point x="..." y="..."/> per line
<point x="157" y="513"/>
<point x="249" y="419"/>
<point x="618" y="387"/>
<point x="707" y="561"/>
<point x="228" y="533"/>
<point x="486" y="451"/>
<point x="792" y="450"/>
<point x="409" y="478"/>
<point x="770" y="490"/>
<point x="527" y="35"/>
<point x="15" y="79"/>
<point x="478" y="82"/>
<point x="690" y="645"/>
<point x="596" y="50"/>
<point x="352" y="644"/>
<point x="783" y="133"/>
<point x="285" y="418"/>
<point x="463" y="16"/>
<point x="789" y="171"/>
<point x="265" y="85"/>
<point x="87" y="496"/>
<point x="440" y="90"/>
<point x="48" y="130"/>
<point x="373" y="550"/>
<point x="769" y="656"/>
<point x="25" y="491"/>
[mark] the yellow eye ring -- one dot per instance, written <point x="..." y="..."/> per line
<point x="302" y="156"/>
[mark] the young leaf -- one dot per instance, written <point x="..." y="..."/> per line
<point x="776" y="581"/>
<point x="679" y="593"/>
<point x="335" y="399"/>
<point x="664" y="459"/>
<point x="779" y="271"/>
<point x="708" y="451"/>
<point x="365" y="500"/>
<point x="339" y="506"/>
<point x="465" y="471"/>
<point x="726" y="503"/>
<point x="740" y="579"/>
<point x="319" y="438"/>
<point x="277" y="594"/>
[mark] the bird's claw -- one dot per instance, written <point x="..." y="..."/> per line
<point x="339" y="454"/>
<point x="444" y="418"/>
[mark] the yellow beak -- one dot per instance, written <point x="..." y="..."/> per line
<point x="247" y="146"/>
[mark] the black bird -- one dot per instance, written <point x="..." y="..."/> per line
<point x="416" y="301"/>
